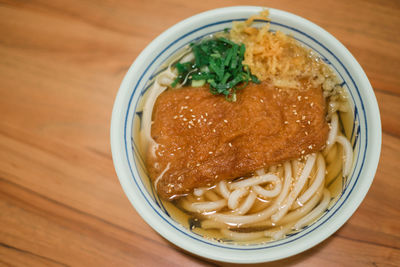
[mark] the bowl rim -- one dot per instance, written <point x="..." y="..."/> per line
<point x="122" y="166"/>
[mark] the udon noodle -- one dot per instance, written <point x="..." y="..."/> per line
<point x="273" y="201"/>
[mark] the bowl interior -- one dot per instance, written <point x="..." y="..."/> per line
<point x="360" y="125"/>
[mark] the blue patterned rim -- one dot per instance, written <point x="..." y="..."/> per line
<point x="157" y="207"/>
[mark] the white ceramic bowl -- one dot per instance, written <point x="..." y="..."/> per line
<point x="365" y="134"/>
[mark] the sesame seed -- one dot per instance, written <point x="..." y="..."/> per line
<point x="210" y="152"/>
<point x="297" y="121"/>
<point x="294" y="106"/>
<point x="191" y="110"/>
<point x="306" y="97"/>
<point x="225" y="121"/>
<point x="299" y="97"/>
<point x="286" y="122"/>
<point x="309" y="122"/>
<point x="312" y="104"/>
<point x="180" y="116"/>
<point x="198" y="164"/>
<point x="302" y="152"/>
<point x="306" y="133"/>
<point x="206" y="114"/>
<point x="184" y="119"/>
<point x="187" y="97"/>
<point x="209" y="123"/>
<point x="303" y="117"/>
<point x="262" y="101"/>
<point x="176" y="116"/>
<point x="214" y="130"/>
<point x="230" y="144"/>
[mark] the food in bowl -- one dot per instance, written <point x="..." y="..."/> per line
<point x="241" y="135"/>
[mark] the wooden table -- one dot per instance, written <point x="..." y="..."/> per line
<point x="61" y="63"/>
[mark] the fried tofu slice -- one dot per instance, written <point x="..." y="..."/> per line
<point x="203" y="139"/>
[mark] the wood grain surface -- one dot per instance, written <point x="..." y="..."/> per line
<point x="61" y="63"/>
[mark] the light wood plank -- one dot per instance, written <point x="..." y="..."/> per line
<point x="60" y="67"/>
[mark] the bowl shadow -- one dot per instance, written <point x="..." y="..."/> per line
<point x="290" y="261"/>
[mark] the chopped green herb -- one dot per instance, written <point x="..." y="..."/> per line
<point x="198" y="83"/>
<point x="217" y="62"/>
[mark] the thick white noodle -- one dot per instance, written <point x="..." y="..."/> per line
<point x="187" y="58"/>
<point x="161" y="176"/>
<point x="296" y="190"/>
<point x="166" y="78"/>
<point x="268" y="193"/>
<point x="256" y="180"/>
<point x="205" y="206"/>
<point x="278" y="232"/>
<point x="296" y="167"/>
<point x="319" y="179"/>
<point x="331" y="154"/>
<point x="262" y="215"/>
<point x="247" y="204"/>
<point x="347" y="154"/>
<point x="235" y="196"/>
<point x="288" y="182"/>
<point x="294" y="215"/>
<point x="301" y="211"/>
<point x="160" y="84"/>
<point x="223" y="189"/>
<point x="333" y="131"/>
<point x="333" y="170"/>
<point x="315" y="213"/>
<point x="241" y="236"/>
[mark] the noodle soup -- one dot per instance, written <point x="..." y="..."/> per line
<point x="283" y="195"/>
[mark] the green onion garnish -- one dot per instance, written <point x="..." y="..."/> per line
<point x="218" y="62"/>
